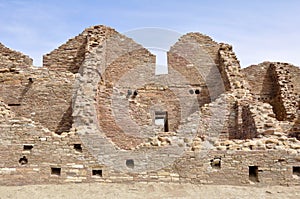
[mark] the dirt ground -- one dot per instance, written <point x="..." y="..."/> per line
<point x="146" y="190"/>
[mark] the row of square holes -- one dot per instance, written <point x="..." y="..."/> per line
<point x="23" y="160"/>
<point x="253" y="170"/>
<point x="135" y="93"/>
<point x="95" y="172"/>
<point x="56" y="171"/>
<point x="77" y="147"/>
<point x="215" y="163"/>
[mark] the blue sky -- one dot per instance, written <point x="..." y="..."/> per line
<point x="258" y="30"/>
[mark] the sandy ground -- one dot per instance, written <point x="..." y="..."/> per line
<point x="149" y="190"/>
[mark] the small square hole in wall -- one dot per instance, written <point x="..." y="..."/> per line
<point x="27" y="147"/>
<point x="215" y="163"/>
<point x="296" y="171"/>
<point x="55" y="171"/>
<point x="78" y="147"/>
<point x="97" y="172"/>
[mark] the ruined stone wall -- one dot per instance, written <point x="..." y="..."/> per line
<point x="10" y="59"/>
<point x="42" y="95"/>
<point x="284" y="104"/>
<point x="294" y="74"/>
<point x="30" y="154"/>
<point x="295" y="130"/>
<point x="153" y="92"/>
<point x="261" y="81"/>
<point x="112" y="78"/>
<point x="70" y="56"/>
<point x="242" y="121"/>
<point x="230" y="68"/>
<point x="111" y="106"/>
<point x="277" y="84"/>
<point x="208" y="45"/>
<point x="195" y="57"/>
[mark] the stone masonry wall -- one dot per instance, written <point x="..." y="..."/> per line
<point x="277" y="84"/>
<point x="286" y="99"/>
<point x="195" y="57"/>
<point x="60" y="127"/>
<point x="261" y="81"/>
<point x="230" y="70"/>
<point x="70" y="56"/>
<point x="62" y="161"/>
<point x="42" y="95"/>
<point x="243" y="124"/>
<point x="10" y="59"/>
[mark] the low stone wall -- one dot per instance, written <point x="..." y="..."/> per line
<point x="30" y="154"/>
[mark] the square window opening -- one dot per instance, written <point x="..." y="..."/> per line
<point x="78" y="147"/>
<point x="55" y="171"/>
<point x="296" y="171"/>
<point x="27" y="147"/>
<point x="97" y="172"/>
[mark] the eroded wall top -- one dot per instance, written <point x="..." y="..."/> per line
<point x="70" y="55"/>
<point x="10" y="59"/>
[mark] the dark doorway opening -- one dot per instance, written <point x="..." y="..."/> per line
<point x="253" y="173"/>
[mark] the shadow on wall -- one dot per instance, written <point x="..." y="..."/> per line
<point x="270" y="93"/>
<point x="79" y="58"/>
<point x="241" y="129"/>
<point x="66" y="121"/>
<point x="295" y="131"/>
<point x="26" y="89"/>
